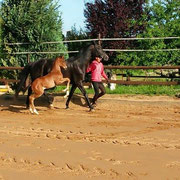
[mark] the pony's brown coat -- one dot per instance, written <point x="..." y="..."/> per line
<point x="55" y="77"/>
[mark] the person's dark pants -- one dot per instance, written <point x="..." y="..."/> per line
<point x="98" y="86"/>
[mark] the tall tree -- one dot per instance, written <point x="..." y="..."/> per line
<point x="163" y="19"/>
<point x="75" y="34"/>
<point x="1" y="35"/>
<point x="114" y="19"/>
<point x="31" y="22"/>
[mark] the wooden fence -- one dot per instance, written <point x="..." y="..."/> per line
<point x="125" y="79"/>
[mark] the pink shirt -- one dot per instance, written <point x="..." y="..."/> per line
<point x="97" y="70"/>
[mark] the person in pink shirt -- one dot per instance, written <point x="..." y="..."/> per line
<point x="97" y="71"/>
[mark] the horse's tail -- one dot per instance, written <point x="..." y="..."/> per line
<point x="23" y="77"/>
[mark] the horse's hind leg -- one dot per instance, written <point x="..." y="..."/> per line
<point x="27" y="99"/>
<point x="31" y="103"/>
<point x="32" y="97"/>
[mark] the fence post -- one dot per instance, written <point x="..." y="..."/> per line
<point x="99" y="39"/>
<point x="128" y="78"/>
<point x="28" y="58"/>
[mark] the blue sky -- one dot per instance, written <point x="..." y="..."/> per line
<point x="72" y="14"/>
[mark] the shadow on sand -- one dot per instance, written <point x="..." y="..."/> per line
<point x="9" y="103"/>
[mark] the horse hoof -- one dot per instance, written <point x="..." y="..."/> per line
<point x="91" y="110"/>
<point x="67" y="94"/>
<point x="64" y="90"/>
<point x="35" y="111"/>
<point x="51" y="106"/>
<point x="31" y="111"/>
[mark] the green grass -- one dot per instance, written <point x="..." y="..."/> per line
<point x="134" y="90"/>
<point x="146" y="90"/>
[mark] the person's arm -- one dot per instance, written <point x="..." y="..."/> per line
<point x="89" y="68"/>
<point x="103" y="73"/>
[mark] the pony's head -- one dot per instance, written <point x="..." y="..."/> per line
<point x="98" y="51"/>
<point x="61" y="62"/>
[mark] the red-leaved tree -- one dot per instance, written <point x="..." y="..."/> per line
<point x="115" y="19"/>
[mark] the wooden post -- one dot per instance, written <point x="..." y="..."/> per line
<point x="127" y="77"/>
<point x="99" y="39"/>
<point x="147" y="78"/>
<point x="28" y="58"/>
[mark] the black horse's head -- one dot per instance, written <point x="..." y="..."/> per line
<point x="98" y="52"/>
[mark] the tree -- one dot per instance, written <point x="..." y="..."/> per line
<point x="1" y="35"/>
<point x="114" y="19"/>
<point x="31" y="22"/>
<point x="163" y="19"/>
<point x="75" y="34"/>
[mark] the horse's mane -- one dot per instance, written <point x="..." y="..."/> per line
<point x="80" y="53"/>
<point x="85" y="48"/>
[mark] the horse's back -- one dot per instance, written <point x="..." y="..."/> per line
<point x="40" y="68"/>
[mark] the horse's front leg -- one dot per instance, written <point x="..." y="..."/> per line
<point x="67" y="87"/>
<point x="73" y="88"/>
<point x="80" y="86"/>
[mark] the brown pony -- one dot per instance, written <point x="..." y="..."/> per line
<point x="50" y="80"/>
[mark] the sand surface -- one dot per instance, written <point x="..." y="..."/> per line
<point x="127" y="137"/>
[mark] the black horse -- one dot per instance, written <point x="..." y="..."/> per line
<point x="76" y="70"/>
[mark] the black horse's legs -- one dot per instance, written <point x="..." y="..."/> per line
<point x="27" y="99"/>
<point x="80" y="86"/>
<point x="49" y="99"/>
<point x="73" y="88"/>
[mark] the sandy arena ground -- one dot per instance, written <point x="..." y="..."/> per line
<point x="127" y="137"/>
